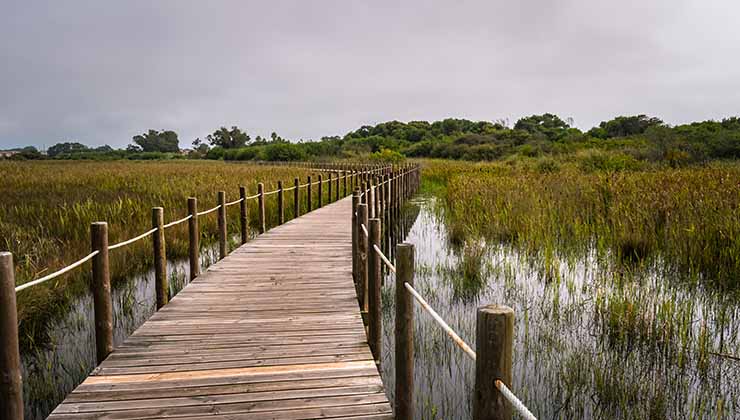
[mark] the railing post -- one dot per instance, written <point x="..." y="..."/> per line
<point x="296" y="198"/>
<point x="102" y="303"/>
<point x="344" y="183"/>
<point x="371" y="199"/>
<point x="321" y="192"/>
<point x="281" y="204"/>
<point x="11" y="379"/>
<point x="309" y="198"/>
<point x="161" y="285"/>
<point x="494" y="347"/>
<point x="362" y="256"/>
<point x="243" y="220"/>
<point x="355" y="203"/>
<point x="404" y="333"/>
<point x="222" y="225"/>
<point x="375" y="318"/>
<point x="328" y="200"/>
<point x="261" y="206"/>
<point x="336" y="191"/>
<point x="194" y="236"/>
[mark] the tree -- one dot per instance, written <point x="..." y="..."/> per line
<point x="550" y="125"/>
<point x="624" y="126"/>
<point x="156" y="141"/>
<point x="228" y="139"/>
<point x="28" y="152"/>
<point x="67" y="147"/>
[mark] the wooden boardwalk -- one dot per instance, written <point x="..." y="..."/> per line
<point x="273" y="331"/>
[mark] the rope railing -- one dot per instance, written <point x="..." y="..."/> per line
<point x="385" y="259"/>
<point x="176" y="222"/>
<point x="234" y="202"/>
<point x="134" y="239"/>
<point x="204" y="212"/>
<point x="55" y="274"/>
<point x="252" y="197"/>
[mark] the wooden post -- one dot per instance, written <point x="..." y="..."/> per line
<point x="362" y="256"/>
<point x="11" y="379"/>
<point x="344" y="183"/>
<point x="336" y="190"/>
<point x="161" y="284"/>
<point x="281" y="204"/>
<point x="194" y="236"/>
<point x="243" y="220"/>
<point x="321" y="192"/>
<point x="355" y="203"/>
<point x="328" y="200"/>
<point x="102" y="303"/>
<point x="375" y="317"/>
<point x="404" y="333"/>
<point x="221" y="225"/>
<point x="494" y="347"/>
<point x="371" y="200"/>
<point x="296" y="198"/>
<point x="261" y="204"/>
<point x="309" y="198"/>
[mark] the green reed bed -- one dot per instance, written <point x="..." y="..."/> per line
<point x="48" y="207"/>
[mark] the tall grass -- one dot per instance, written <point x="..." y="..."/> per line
<point x="47" y="209"/>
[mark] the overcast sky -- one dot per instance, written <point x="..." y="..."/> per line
<point x="100" y="72"/>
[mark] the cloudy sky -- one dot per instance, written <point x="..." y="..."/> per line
<point x="102" y="71"/>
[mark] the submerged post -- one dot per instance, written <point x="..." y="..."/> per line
<point x="296" y="198"/>
<point x="102" y="304"/>
<point x="281" y="204"/>
<point x="11" y="379"/>
<point x="375" y="319"/>
<point x="362" y="256"/>
<point x="222" y="225"/>
<point x="161" y="285"/>
<point x="243" y="220"/>
<point x="494" y="347"/>
<point x="194" y="236"/>
<point x="261" y="205"/>
<point x="404" y="333"/>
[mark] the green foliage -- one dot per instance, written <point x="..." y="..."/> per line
<point x="157" y="141"/>
<point x="67" y="147"/>
<point x="387" y="156"/>
<point x="624" y="126"/>
<point x="227" y="139"/>
<point x="548" y="125"/>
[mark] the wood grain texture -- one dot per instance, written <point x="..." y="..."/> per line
<point x="271" y="331"/>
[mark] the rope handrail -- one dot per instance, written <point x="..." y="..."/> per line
<point x="364" y="230"/>
<point x="289" y="189"/>
<point x="456" y="338"/>
<point x="234" y="202"/>
<point x="514" y="401"/>
<point x="270" y="192"/>
<point x="252" y="197"/>
<point x="134" y="239"/>
<point x="203" y="213"/>
<point x="384" y="259"/>
<point x="57" y="273"/>
<point x="304" y="185"/>
<point x="177" y="222"/>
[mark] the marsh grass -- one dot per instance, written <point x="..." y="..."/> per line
<point x="48" y="208"/>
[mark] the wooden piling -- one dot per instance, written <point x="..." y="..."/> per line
<point x="11" y="379"/>
<point x="330" y="196"/>
<point x="161" y="283"/>
<point x="296" y="198"/>
<point x="494" y="347"/>
<point x="222" y="225"/>
<point x="309" y="199"/>
<point x="261" y="206"/>
<point x="194" y="238"/>
<point x="362" y="242"/>
<point x="344" y="183"/>
<point x="102" y="303"/>
<point x="404" y="333"/>
<point x="321" y="192"/>
<point x="281" y="204"/>
<point x="336" y="189"/>
<point x="243" y="220"/>
<point x="355" y="203"/>
<point x="375" y="319"/>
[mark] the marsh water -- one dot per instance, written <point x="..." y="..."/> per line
<point x="589" y="342"/>
<point x="575" y="356"/>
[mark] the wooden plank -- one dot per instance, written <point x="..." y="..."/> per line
<point x="251" y="338"/>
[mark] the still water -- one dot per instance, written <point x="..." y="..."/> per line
<point x="572" y="357"/>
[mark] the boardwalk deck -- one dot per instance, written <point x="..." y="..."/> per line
<point x="273" y="331"/>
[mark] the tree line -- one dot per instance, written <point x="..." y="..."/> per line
<point x="637" y="137"/>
